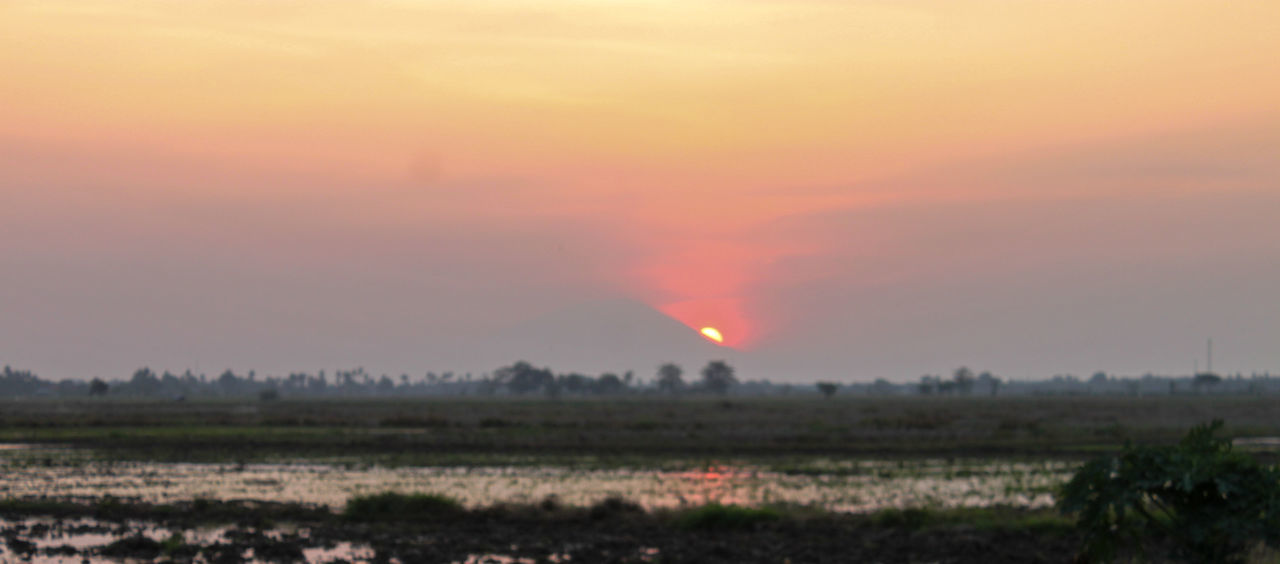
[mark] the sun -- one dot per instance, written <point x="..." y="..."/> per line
<point x="713" y="334"/>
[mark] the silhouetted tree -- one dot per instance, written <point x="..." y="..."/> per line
<point x="228" y="382"/>
<point x="552" y="388"/>
<point x="1205" y="381"/>
<point x="575" y="383"/>
<point x="608" y="384"/>
<point x="963" y="378"/>
<point x="990" y="382"/>
<point x="386" y="385"/>
<point x="19" y="382"/>
<point x="522" y="377"/>
<point x="669" y="378"/>
<point x="827" y="389"/>
<point x="98" y="388"/>
<point x="882" y="387"/>
<point x="144" y="382"/>
<point x="929" y="385"/>
<point x="717" y="377"/>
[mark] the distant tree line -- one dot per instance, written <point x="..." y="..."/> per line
<point x="524" y="379"/>
<point x="520" y="378"/>
<point x="963" y="383"/>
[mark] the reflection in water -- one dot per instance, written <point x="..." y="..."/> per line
<point x="715" y="484"/>
<point x="837" y="485"/>
<point x="65" y="541"/>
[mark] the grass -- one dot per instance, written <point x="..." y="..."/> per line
<point x="425" y="431"/>
<point x="198" y="510"/>
<point x="392" y="506"/>
<point x="720" y="517"/>
<point x="1044" y="521"/>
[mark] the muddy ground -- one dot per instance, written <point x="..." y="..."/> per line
<point x="618" y="535"/>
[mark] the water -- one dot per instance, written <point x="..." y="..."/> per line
<point x="833" y="485"/>
<point x="68" y="541"/>
<point x="830" y="484"/>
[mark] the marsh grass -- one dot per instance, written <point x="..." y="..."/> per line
<point x="716" y="516"/>
<point x="1005" y="517"/>
<point x="199" y="510"/>
<point x="411" y="431"/>
<point x="393" y="506"/>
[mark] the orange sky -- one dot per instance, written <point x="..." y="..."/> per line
<point x="687" y="154"/>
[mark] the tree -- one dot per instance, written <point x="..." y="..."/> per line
<point x="385" y="385"/>
<point x="575" y="383"/>
<point x="98" y="388"/>
<point x="990" y="382"/>
<point x="929" y="384"/>
<point x="963" y="378"/>
<point x="522" y="377"/>
<point x="144" y="382"/>
<point x="827" y="389"/>
<point x="1211" y="503"/>
<point x="669" y="378"/>
<point x="717" y="377"/>
<point x="882" y="387"/>
<point x="228" y="382"/>
<point x="1205" y="380"/>
<point x="608" y="384"/>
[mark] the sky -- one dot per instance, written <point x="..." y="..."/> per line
<point x="848" y="190"/>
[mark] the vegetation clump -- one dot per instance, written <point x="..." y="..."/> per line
<point x="1210" y="503"/>
<point x="614" y="506"/>
<point x="716" y="516"/>
<point x="910" y="518"/>
<point x="136" y="546"/>
<point x="392" y="506"/>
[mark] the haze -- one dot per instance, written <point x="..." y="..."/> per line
<point x="847" y="190"/>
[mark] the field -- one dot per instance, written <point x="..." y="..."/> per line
<point x="645" y="479"/>
<point x="423" y="430"/>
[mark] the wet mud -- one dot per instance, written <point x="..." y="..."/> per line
<point x="608" y="532"/>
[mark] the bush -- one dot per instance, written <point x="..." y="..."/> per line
<point x="614" y="506"/>
<point x="910" y="518"/>
<point x="391" y="506"/>
<point x="1210" y="503"/>
<point x="716" y="516"/>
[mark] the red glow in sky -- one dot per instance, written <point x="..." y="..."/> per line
<point x="724" y="314"/>
<point x="879" y="188"/>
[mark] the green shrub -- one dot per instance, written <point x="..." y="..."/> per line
<point x="716" y="516"/>
<point x="910" y="518"/>
<point x="391" y="506"/>
<point x="1210" y="503"/>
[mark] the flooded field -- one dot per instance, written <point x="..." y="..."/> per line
<point x="67" y="541"/>
<point x="833" y="485"/>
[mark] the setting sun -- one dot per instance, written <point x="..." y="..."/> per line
<point x="713" y="334"/>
